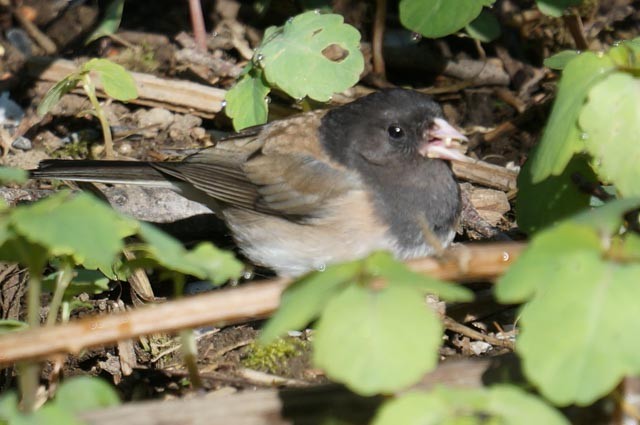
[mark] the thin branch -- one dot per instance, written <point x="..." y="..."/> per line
<point x="473" y="262"/>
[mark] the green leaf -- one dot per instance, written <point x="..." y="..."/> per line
<point x="501" y="404"/>
<point x="549" y="258"/>
<point x="303" y="301"/>
<point x="581" y="283"/>
<point x="377" y="341"/>
<point x="247" y="101"/>
<point x="561" y="59"/>
<point x="382" y="264"/>
<point x="9" y="325"/>
<point x="80" y="226"/>
<point x="8" y="174"/>
<point x="204" y="262"/>
<point x="17" y="249"/>
<point x="485" y="27"/>
<point x="545" y="203"/>
<point x="218" y="265"/>
<point x="555" y="7"/>
<point x="85" y="393"/>
<point x="116" y="81"/>
<point x="55" y="93"/>
<point x="85" y="281"/>
<point x="611" y="138"/>
<point x="437" y="18"/>
<point x="50" y="414"/>
<point x="110" y="23"/>
<point x="607" y="219"/>
<point x="568" y="331"/>
<point x="561" y="138"/>
<point x="292" y="57"/>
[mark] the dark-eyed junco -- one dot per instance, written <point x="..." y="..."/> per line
<point x="320" y="187"/>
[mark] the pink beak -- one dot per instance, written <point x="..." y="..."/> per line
<point x="444" y="142"/>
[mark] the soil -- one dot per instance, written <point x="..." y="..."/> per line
<point x="502" y="113"/>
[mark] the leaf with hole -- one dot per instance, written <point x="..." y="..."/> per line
<point x="298" y="58"/>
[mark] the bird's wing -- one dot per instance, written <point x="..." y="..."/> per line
<point x="280" y="170"/>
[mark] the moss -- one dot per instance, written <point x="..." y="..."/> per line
<point x="273" y="358"/>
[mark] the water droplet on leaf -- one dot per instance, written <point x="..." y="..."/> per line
<point x="416" y="37"/>
<point x="267" y="99"/>
<point x="584" y="136"/>
<point x="316" y="11"/>
<point x="289" y="20"/>
<point x="321" y="267"/>
<point x="223" y="104"/>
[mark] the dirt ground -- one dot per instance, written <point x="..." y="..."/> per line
<point x="501" y="109"/>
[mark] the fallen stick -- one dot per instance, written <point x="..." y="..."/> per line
<point x="176" y="95"/>
<point x="486" y="174"/>
<point x="224" y="307"/>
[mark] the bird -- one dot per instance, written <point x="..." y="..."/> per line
<point x="319" y="187"/>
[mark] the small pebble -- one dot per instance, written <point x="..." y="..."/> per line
<point x="22" y="143"/>
<point x="480" y="347"/>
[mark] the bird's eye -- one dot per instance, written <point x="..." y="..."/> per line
<point x="395" y="131"/>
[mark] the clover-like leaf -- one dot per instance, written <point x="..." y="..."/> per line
<point x="581" y="284"/>
<point x="205" y="261"/>
<point x="8" y="174"/>
<point x="84" y="281"/>
<point x="218" y="265"/>
<point x="303" y="301"/>
<point x="555" y="7"/>
<point x="437" y="18"/>
<point x="561" y="59"/>
<point x="298" y="57"/>
<point x="562" y="138"/>
<point x="548" y="258"/>
<point x="84" y="393"/>
<point x="363" y="338"/>
<point x="545" y="203"/>
<point x="246" y="102"/>
<point x="500" y="404"/>
<point x="80" y="226"/>
<point x="485" y="27"/>
<point x="568" y="331"/>
<point x="116" y="81"/>
<point x="611" y="138"/>
<point x="383" y="265"/>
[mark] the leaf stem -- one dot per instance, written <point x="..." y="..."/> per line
<point x="62" y="282"/>
<point x="90" y="90"/>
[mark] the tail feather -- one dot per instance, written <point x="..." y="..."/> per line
<point x="125" y="172"/>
